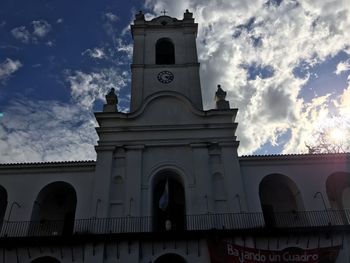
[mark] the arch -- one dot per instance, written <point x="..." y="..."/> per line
<point x="45" y="259"/>
<point x="338" y="192"/>
<point x="337" y="187"/>
<point x="186" y="178"/>
<point x="172" y="94"/>
<point x="280" y="201"/>
<point x="170" y="258"/>
<point x="3" y="204"/>
<point x="346" y="198"/>
<point x="53" y="211"/>
<point x="165" y="52"/>
<point x="168" y="202"/>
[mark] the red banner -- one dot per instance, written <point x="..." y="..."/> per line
<point x="226" y="252"/>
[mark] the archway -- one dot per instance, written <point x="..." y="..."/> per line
<point x="338" y="192"/>
<point x="337" y="185"/>
<point x="54" y="210"/>
<point x="170" y="258"/>
<point x="165" y="51"/>
<point x="45" y="260"/>
<point x="281" y="201"/>
<point x="168" y="204"/>
<point x="3" y="204"/>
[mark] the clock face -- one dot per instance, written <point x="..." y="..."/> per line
<point x="165" y="77"/>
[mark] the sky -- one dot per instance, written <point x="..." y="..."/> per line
<point x="285" y="65"/>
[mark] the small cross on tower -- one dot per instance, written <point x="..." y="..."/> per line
<point x="164" y="12"/>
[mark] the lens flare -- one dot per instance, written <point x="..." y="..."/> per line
<point x="337" y="135"/>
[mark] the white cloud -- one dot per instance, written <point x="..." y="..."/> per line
<point x="59" y="21"/>
<point x="21" y="33"/>
<point x="126" y="48"/>
<point x="97" y="53"/>
<point x="281" y="37"/>
<point x="46" y="131"/>
<point x="111" y="17"/>
<point x="342" y="67"/>
<point x="41" y="28"/>
<point x="87" y="88"/>
<point x="50" y="43"/>
<point x="8" y="67"/>
<point x="34" y="131"/>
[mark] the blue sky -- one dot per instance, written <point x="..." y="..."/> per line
<point x="285" y="65"/>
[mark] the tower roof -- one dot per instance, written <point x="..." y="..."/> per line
<point x="163" y="20"/>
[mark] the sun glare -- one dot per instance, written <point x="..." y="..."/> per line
<point x="337" y="134"/>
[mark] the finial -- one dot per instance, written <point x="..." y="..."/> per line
<point x="112" y="101"/>
<point x="220" y="93"/>
<point x="220" y="96"/>
<point x="164" y="12"/>
<point x="188" y="15"/>
<point x="140" y="16"/>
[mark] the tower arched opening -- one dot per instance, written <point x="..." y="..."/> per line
<point x="165" y="52"/>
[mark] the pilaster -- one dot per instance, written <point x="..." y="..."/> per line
<point x="133" y="179"/>
<point x="203" y="196"/>
<point x="101" y="186"/>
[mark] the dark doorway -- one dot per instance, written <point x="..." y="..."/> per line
<point x="45" y="260"/>
<point x="170" y="258"/>
<point x="165" y="52"/>
<point x="54" y="210"/>
<point x="3" y="204"/>
<point x="171" y="209"/>
<point x="281" y="201"/>
<point x="338" y="192"/>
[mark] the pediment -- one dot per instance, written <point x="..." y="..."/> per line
<point x="167" y="108"/>
<point x="163" y="20"/>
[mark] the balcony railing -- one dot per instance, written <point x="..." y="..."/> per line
<point x="229" y="221"/>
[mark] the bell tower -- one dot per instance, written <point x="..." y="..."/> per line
<point x="165" y="58"/>
<point x="167" y="158"/>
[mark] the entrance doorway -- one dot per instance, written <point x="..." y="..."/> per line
<point x="169" y="210"/>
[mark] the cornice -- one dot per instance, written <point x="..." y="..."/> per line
<point x="76" y="166"/>
<point x="294" y="158"/>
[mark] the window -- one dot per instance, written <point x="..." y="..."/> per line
<point x="165" y="52"/>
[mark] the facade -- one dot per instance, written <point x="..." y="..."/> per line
<point x="168" y="184"/>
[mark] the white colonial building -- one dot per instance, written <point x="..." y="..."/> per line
<point x="168" y="185"/>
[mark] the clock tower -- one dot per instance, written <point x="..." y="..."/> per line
<point x="165" y="58"/>
<point x="167" y="142"/>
